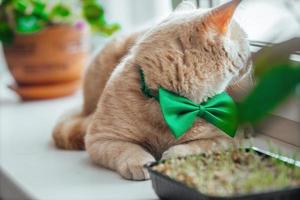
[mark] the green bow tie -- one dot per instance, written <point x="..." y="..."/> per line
<point x="180" y="113"/>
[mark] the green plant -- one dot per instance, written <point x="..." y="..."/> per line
<point x="231" y="172"/>
<point x="277" y="78"/>
<point x="30" y="16"/>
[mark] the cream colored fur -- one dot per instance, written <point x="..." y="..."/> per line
<point x="187" y="53"/>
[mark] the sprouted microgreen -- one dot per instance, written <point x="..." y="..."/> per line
<point x="231" y="172"/>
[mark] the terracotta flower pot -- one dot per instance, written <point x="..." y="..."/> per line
<point x="55" y="56"/>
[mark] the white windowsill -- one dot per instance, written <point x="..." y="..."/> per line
<point x="32" y="168"/>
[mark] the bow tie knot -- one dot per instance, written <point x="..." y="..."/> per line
<point x="201" y="110"/>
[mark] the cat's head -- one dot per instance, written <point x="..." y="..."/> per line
<point x="196" y="53"/>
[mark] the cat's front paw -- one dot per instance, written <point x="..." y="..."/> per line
<point x="132" y="168"/>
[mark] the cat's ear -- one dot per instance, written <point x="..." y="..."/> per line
<point x="219" y="18"/>
<point x="185" y="6"/>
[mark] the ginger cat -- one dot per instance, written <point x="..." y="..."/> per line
<point x="194" y="53"/>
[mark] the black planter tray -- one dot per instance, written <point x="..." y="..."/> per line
<point x="169" y="189"/>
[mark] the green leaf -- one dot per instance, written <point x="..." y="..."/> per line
<point x="109" y="29"/>
<point x="6" y="34"/>
<point x="60" y="10"/>
<point x="274" y="86"/>
<point x="28" y="24"/>
<point x="21" y="5"/>
<point x="39" y="9"/>
<point x="29" y="7"/>
<point x="93" y="12"/>
<point x="60" y="13"/>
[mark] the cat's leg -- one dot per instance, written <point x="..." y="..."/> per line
<point x="198" y="146"/>
<point x="124" y="157"/>
<point x="70" y="131"/>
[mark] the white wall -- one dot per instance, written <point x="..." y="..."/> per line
<point x="132" y="14"/>
<point x="269" y="20"/>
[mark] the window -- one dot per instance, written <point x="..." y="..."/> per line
<point x="266" y="22"/>
<point x="200" y="3"/>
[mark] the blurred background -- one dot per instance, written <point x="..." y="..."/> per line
<point x="263" y="20"/>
